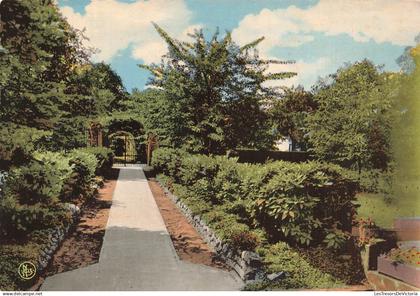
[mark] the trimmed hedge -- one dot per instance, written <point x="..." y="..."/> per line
<point x="300" y="203"/>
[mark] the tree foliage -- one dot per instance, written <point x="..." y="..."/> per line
<point x="288" y="113"/>
<point x="46" y="80"/>
<point x="35" y="31"/>
<point x="211" y="92"/>
<point x="353" y="120"/>
<point x="406" y="60"/>
<point x="159" y="115"/>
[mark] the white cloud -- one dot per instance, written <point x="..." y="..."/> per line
<point x="395" y="21"/>
<point x="112" y="26"/>
<point x="150" y="52"/>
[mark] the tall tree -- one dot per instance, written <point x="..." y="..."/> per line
<point x="92" y="92"/>
<point x="98" y="80"/>
<point x="352" y="123"/>
<point x="288" y="113"/>
<point x="159" y="115"/>
<point x="40" y="51"/>
<point x="218" y="88"/>
<point x="46" y="80"/>
<point x="36" y="32"/>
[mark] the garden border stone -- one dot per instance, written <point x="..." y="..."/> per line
<point x="56" y="237"/>
<point x="248" y="265"/>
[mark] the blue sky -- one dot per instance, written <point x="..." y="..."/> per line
<point x="319" y="35"/>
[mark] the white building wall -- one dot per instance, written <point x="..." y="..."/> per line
<point x="283" y="144"/>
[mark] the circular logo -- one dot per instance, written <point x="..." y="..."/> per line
<point x="27" y="270"/>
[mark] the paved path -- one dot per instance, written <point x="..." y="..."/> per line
<point x="137" y="252"/>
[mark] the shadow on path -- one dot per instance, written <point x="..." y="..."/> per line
<point x="137" y="251"/>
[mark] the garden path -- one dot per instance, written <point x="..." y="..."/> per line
<point x="137" y="251"/>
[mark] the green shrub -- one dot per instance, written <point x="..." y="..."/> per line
<point x="239" y="208"/>
<point x="296" y="202"/>
<point x="204" y="190"/>
<point x="17" y="143"/>
<point x="227" y="180"/>
<point x="196" y="167"/>
<point x="168" y="161"/>
<point x="41" y="181"/>
<point x="86" y="161"/>
<point x="336" y="239"/>
<point x="299" y="273"/>
<point x="20" y="220"/>
<point x="228" y="227"/>
<point x="197" y="205"/>
<point x="84" y="166"/>
<point x="104" y="156"/>
<point x="32" y="192"/>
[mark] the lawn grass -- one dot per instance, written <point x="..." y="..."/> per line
<point x="382" y="211"/>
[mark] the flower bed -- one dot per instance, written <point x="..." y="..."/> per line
<point x="408" y="256"/>
<point x="404" y="272"/>
<point x="403" y="264"/>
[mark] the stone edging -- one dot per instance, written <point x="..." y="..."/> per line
<point x="246" y="264"/>
<point x="55" y="237"/>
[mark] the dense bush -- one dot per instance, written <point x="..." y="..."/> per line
<point x="41" y="181"/>
<point x="298" y="202"/>
<point x="84" y="166"/>
<point x="33" y="193"/>
<point x="12" y="254"/>
<point x="262" y="156"/>
<point x="104" y="156"/>
<point x="17" y="143"/>
<point x="17" y="220"/>
<point x="86" y="161"/>
<point x="168" y="161"/>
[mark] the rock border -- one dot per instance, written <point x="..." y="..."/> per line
<point x="248" y="265"/>
<point x="55" y="238"/>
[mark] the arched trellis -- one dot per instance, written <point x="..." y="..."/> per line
<point x="121" y="128"/>
<point x="124" y="146"/>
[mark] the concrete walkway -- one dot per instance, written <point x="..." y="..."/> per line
<point x="137" y="252"/>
